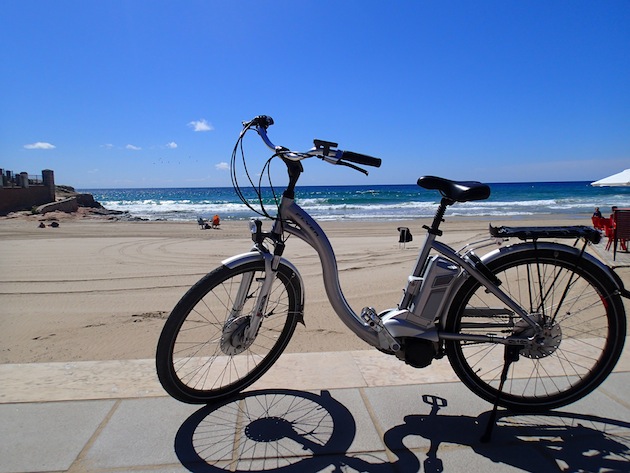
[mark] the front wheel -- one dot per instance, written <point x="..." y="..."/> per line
<point x="204" y="353"/>
<point x="583" y="322"/>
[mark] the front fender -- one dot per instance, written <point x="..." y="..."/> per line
<point x="244" y="258"/>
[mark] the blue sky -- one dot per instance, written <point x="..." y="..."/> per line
<point x="152" y="93"/>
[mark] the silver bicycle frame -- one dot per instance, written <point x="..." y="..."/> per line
<point x="296" y="221"/>
<point x="378" y="330"/>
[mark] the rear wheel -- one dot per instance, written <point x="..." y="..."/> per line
<point x="203" y="353"/>
<point x="583" y="322"/>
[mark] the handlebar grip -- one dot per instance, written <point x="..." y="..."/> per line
<point x="361" y="159"/>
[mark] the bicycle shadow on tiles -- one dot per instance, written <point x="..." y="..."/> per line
<point x="297" y="431"/>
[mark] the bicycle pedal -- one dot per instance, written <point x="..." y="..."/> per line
<point x="369" y="316"/>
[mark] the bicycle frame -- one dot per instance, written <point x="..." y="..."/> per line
<point x="380" y="331"/>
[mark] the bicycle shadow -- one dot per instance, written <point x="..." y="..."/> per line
<point x="298" y="431"/>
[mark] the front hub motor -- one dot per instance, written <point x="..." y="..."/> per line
<point x="233" y="340"/>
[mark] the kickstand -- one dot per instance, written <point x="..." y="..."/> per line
<point x="510" y="356"/>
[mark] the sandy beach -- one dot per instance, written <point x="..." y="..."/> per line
<point x="99" y="289"/>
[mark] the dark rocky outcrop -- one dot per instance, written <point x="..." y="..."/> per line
<point x="69" y="201"/>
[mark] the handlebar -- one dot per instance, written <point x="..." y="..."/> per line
<point x="361" y="159"/>
<point x="324" y="150"/>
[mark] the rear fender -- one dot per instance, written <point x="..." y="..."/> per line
<point x="520" y="247"/>
<point x="527" y="246"/>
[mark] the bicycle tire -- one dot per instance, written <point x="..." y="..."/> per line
<point x="197" y="359"/>
<point x="583" y="344"/>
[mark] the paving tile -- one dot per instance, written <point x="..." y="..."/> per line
<point x="47" y="436"/>
<point x="482" y="459"/>
<point x="309" y="371"/>
<point x="616" y="387"/>
<point x="365" y="438"/>
<point x="379" y="369"/>
<point x="141" y="432"/>
<point x="61" y="381"/>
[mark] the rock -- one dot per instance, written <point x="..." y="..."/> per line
<point x="66" y="205"/>
<point x="87" y="200"/>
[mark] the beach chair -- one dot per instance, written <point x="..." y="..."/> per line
<point x="621" y="231"/>
<point x="598" y="223"/>
<point x="608" y="228"/>
<point x="404" y="236"/>
<point x="201" y="222"/>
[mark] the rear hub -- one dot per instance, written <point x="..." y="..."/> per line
<point x="543" y="344"/>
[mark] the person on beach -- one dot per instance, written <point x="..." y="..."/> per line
<point x="597" y="213"/>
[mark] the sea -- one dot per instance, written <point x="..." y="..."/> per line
<point x="360" y="203"/>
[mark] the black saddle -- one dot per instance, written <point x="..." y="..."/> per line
<point x="457" y="191"/>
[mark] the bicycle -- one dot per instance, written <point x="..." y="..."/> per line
<point x="531" y="325"/>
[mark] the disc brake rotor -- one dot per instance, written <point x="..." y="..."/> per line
<point x="541" y="345"/>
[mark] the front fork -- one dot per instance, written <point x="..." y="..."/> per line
<point x="271" y="266"/>
<point x="261" y="301"/>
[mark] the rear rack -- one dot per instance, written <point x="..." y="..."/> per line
<point x="534" y="233"/>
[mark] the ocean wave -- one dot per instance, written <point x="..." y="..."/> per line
<point x="365" y="203"/>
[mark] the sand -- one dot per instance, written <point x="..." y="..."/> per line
<point x="99" y="289"/>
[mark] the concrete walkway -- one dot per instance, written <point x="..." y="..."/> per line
<point x="342" y="411"/>
<point x="619" y="260"/>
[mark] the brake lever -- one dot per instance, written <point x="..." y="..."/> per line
<point x="337" y="161"/>
<point x="356" y="168"/>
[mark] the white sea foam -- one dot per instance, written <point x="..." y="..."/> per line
<point x="364" y="203"/>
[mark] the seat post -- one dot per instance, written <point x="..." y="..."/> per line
<point x="439" y="217"/>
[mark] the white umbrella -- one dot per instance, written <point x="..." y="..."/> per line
<point x="620" y="179"/>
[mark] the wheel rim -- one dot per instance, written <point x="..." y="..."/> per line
<point x="564" y="362"/>
<point x="206" y="356"/>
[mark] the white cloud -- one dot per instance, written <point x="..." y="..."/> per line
<point x="171" y="145"/>
<point x="107" y="146"/>
<point x="201" y="125"/>
<point x="133" y="148"/>
<point x="222" y="166"/>
<point x="40" y="145"/>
